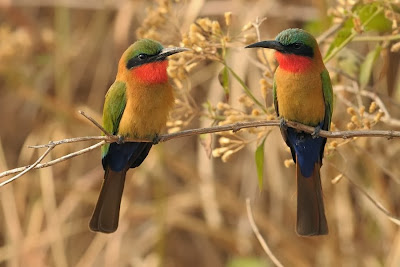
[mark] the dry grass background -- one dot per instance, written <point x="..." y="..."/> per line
<point x="182" y="208"/>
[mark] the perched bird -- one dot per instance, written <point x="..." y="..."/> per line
<point x="302" y="92"/>
<point x="136" y="106"/>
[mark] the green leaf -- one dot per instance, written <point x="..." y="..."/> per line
<point x="224" y="80"/>
<point x="341" y="37"/>
<point x="260" y="163"/>
<point x="371" y="17"/>
<point x="379" y="22"/>
<point x="368" y="64"/>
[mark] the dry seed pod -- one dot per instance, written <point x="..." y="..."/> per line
<point x="228" y="18"/>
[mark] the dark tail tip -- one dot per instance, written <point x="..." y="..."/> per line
<point x="106" y="230"/>
<point x="105" y="217"/>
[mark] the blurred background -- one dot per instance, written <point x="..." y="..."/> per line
<point x="185" y="205"/>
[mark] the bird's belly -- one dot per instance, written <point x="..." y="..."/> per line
<point x="300" y="97"/>
<point x="146" y="114"/>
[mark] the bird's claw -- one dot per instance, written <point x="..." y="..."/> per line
<point x="156" y="139"/>
<point x="120" y="139"/>
<point x="283" y="124"/>
<point x="315" y="134"/>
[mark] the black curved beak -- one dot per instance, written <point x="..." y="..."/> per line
<point x="170" y="51"/>
<point x="268" y="44"/>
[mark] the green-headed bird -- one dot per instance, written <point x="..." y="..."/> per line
<point x="302" y="92"/>
<point x="136" y="106"/>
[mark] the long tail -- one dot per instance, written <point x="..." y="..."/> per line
<point x="310" y="204"/>
<point x="106" y="214"/>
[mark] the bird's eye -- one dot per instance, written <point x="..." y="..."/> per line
<point x="296" y="45"/>
<point x="142" y="56"/>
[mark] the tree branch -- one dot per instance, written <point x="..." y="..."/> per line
<point x="50" y="148"/>
<point x="215" y="129"/>
<point x="233" y="127"/>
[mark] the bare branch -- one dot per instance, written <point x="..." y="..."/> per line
<point x="50" y="163"/>
<point x="29" y="168"/>
<point x="107" y="139"/>
<point x="309" y="129"/>
<point x="78" y="139"/>
<point x="394" y="219"/>
<point x="346" y="134"/>
<point x="215" y="129"/>
<point x="259" y="236"/>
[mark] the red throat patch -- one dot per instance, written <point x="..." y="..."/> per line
<point x="293" y="63"/>
<point x="154" y="72"/>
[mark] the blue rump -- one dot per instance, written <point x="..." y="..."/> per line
<point x="307" y="149"/>
<point x="120" y="156"/>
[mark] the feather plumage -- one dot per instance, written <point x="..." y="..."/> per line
<point x="136" y="106"/>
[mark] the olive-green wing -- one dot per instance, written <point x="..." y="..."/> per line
<point x="275" y="98"/>
<point x="328" y="97"/>
<point x="114" y="106"/>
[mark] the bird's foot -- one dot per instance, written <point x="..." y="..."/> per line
<point x="156" y="139"/>
<point x="120" y="139"/>
<point x="283" y="124"/>
<point x="315" y="134"/>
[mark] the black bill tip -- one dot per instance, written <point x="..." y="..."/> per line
<point x="267" y="44"/>
<point x="171" y="50"/>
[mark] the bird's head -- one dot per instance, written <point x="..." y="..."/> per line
<point x="146" y="61"/>
<point x="296" y="49"/>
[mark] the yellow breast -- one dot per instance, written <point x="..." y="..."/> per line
<point x="300" y="96"/>
<point x="146" y="110"/>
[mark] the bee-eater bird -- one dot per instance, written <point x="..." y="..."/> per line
<point x="136" y="106"/>
<point x="302" y="92"/>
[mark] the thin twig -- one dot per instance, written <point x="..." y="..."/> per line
<point x="373" y="96"/>
<point x="333" y="29"/>
<point x="78" y="139"/>
<point x="107" y="139"/>
<point x="50" y="148"/>
<point x="256" y="24"/>
<point x="346" y="134"/>
<point x="377" y="38"/>
<point x="377" y="204"/>
<point x="259" y="236"/>
<point x="50" y="163"/>
<point x="94" y="122"/>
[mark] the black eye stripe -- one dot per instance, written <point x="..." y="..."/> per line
<point x="140" y="60"/>
<point x="299" y="49"/>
